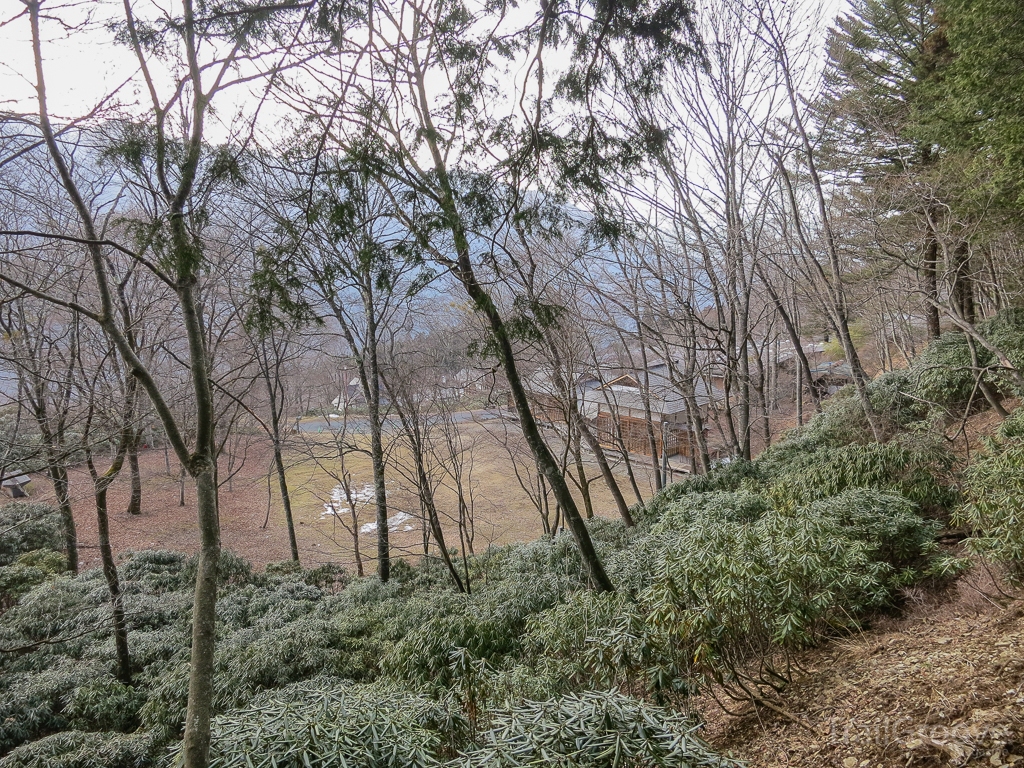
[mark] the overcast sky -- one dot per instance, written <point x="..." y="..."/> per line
<point x="82" y="68"/>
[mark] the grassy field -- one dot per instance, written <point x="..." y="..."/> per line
<point x="502" y="510"/>
<point x="252" y="517"/>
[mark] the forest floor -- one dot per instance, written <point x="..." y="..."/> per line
<point x="252" y="518"/>
<point x="941" y="686"/>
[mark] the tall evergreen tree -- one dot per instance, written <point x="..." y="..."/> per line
<point x="974" y="107"/>
<point x="881" y="55"/>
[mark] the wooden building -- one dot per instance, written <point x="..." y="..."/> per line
<point x="643" y="407"/>
<point x="548" y="403"/>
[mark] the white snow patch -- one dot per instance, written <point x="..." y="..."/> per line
<point x="364" y="495"/>
<point x="396" y="520"/>
<point x="339" y="503"/>
<point x="393" y="522"/>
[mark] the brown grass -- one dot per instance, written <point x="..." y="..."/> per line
<point x="502" y="510"/>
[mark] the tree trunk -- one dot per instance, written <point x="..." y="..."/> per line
<point x="582" y="479"/>
<point x="355" y="547"/>
<point x="986" y="389"/>
<point x="696" y="427"/>
<point x="380" y="493"/>
<point x="286" y="501"/>
<point x="124" y="667"/>
<point x="135" y="502"/>
<point x="204" y="623"/>
<point x="426" y="492"/>
<point x="741" y="341"/>
<point x="832" y="291"/>
<point x="800" y="396"/>
<point x="61" y="488"/>
<point x="929" y="274"/>
<point x="645" y="396"/>
<point x="271" y="374"/>
<point x="484" y="304"/>
<point x="545" y="461"/>
<point x="798" y="350"/>
<point x="860" y="377"/>
<point x="427" y="501"/>
<point x="963" y="283"/>
<point x="542" y="503"/>
<point x="606" y="472"/>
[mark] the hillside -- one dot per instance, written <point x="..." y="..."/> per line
<point x="816" y="606"/>
<point x="940" y="686"/>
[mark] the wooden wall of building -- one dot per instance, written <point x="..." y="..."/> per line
<point x="636" y="437"/>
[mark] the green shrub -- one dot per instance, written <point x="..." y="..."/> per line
<point x="896" y="397"/>
<point x="325" y="723"/>
<point x="27" y="572"/>
<point x="231" y="569"/>
<point x="77" y="749"/>
<point x="732" y="506"/>
<point x="1006" y="331"/>
<point x="33" y="702"/>
<point x="28" y="527"/>
<point x="154" y="571"/>
<point x="994" y="498"/>
<point x="737" y="586"/>
<point x="557" y="638"/>
<point x="595" y="729"/>
<point x="890" y="530"/>
<point x="247" y="661"/>
<point x="488" y="625"/>
<point x="605" y="641"/>
<point x="104" y="704"/>
<point x="786" y="580"/>
<point x="944" y="372"/>
<point x="946" y="375"/>
<point x="724" y="476"/>
<point x="284" y="568"/>
<point x="64" y="617"/>
<point x="918" y="468"/>
<point x="328" y="576"/>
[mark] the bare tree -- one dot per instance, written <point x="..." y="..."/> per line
<point x="332" y="457"/>
<point x="42" y="345"/>
<point x="168" y="162"/>
<point x="814" y="236"/>
<point x="107" y="386"/>
<point x="410" y="377"/>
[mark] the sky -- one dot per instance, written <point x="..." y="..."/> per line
<point x="84" y="65"/>
<point x="80" y="67"/>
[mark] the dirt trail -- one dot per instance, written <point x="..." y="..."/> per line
<point x="943" y="686"/>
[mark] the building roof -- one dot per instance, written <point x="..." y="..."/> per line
<point x="839" y="370"/>
<point x="664" y="396"/>
<point x="16" y="480"/>
<point x="541" y="382"/>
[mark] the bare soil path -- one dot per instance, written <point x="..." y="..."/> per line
<point x="943" y="686"/>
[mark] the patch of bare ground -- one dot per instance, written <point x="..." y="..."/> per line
<point x="942" y="686"/>
<point x="252" y="519"/>
<point x="164" y="524"/>
<point x="968" y="436"/>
